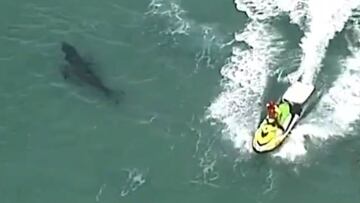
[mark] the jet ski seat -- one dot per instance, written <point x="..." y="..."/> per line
<point x="294" y="108"/>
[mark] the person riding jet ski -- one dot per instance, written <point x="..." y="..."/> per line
<point x="274" y="115"/>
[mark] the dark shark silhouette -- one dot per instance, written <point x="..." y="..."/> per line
<point x="80" y="68"/>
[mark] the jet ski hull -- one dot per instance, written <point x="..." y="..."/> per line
<point x="268" y="137"/>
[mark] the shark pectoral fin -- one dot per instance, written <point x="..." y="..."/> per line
<point x="65" y="72"/>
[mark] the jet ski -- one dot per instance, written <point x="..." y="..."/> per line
<point x="269" y="136"/>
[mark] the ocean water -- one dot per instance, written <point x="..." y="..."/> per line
<point x="196" y="75"/>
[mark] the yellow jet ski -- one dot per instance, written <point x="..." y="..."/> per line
<point x="269" y="136"/>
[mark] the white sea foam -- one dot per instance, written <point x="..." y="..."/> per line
<point x="177" y="23"/>
<point x="135" y="179"/>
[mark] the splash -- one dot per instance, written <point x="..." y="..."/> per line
<point x="245" y="77"/>
<point x="245" y="74"/>
<point x="267" y="9"/>
<point x="258" y="9"/>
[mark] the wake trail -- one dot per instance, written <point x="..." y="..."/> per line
<point x="323" y="24"/>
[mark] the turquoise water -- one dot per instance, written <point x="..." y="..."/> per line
<point x="65" y="142"/>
